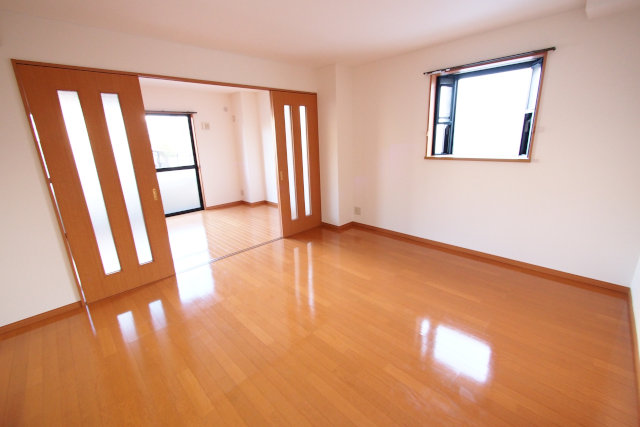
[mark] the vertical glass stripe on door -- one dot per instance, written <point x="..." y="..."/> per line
<point x="124" y="165"/>
<point x="35" y="133"/>
<point x="288" y="131"/>
<point x="89" y="181"/>
<point x="304" y="142"/>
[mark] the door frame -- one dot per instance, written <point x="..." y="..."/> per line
<point x="156" y="76"/>
<point x="15" y="62"/>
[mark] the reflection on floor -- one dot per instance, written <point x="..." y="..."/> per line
<point x="197" y="238"/>
<point x="329" y="329"/>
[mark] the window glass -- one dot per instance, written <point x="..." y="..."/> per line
<point x="175" y="159"/>
<point x="487" y="111"/>
<point x="489" y="114"/>
<point x="170" y="137"/>
<point x="444" y="107"/>
<point x="179" y="190"/>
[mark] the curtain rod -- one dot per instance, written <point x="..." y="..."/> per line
<point x="488" y="61"/>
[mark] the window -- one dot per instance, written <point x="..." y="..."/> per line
<point x="174" y="154"/>
<point x="486" y="110"/>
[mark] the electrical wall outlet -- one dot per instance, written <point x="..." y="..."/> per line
<point x="205" y="125"/>
<point x="356" y="210"/>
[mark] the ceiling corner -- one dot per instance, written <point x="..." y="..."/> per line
<point x="600" y="8"/>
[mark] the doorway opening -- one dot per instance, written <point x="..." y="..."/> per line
<point x="264" y="167"/>
<point x="215" y="154"/>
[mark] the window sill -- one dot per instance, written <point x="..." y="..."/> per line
<point x="483" y="159"/>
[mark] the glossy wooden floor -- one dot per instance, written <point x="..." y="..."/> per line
<point x="199" y="237"/>
<point x="331" y="329"/>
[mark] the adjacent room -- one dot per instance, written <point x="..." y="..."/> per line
<point x="335" y="213"/>
<point x="215" y="157"/>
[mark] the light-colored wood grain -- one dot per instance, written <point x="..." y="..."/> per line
<point x="199" y="237"/>
<point x="242" y="202"/>
<point x="338" y="228"/>
<point x="532" y="268"/>
<point x="40" y="317"/>
<point x="331" y="328"/>
<point x="225" y="205"/>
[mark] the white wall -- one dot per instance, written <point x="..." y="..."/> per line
<point x="36" y="275"/>
<point x="335" y="125"/>
<point x="219" y="163"/>
<point x="249" y="146"/>
<point x="345" y="160"/>
<point x="328" y="134"/>
<point x="574" y="208"/>
<point x="268" y="136"/>
<point x="256" y="145"/>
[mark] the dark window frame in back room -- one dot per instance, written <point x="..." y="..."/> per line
<point x="195" y="166"/>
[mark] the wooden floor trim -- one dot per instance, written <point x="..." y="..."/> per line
<point x="224" y="205"/>
<point x="39" y="317"/>
<point x="338" y="228"/>
<point x="511" y="262"/>
<point x="483" y="255"/>
<point x="252" y="204"/>
<point x="241" y="202"/>
<point x="634" y="343"/>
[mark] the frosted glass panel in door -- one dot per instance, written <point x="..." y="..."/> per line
<point x="179" y="190"/>
<point x="124" y="164"/>
<point x="304" y="143"/>
<point x="288" y="129"/>
<point x="88" y="174"/>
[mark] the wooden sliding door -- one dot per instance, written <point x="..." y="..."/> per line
<point x="90" y="129"/>
<point x="296" y="121"/>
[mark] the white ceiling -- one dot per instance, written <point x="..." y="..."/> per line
<point x="308" y="32"/>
